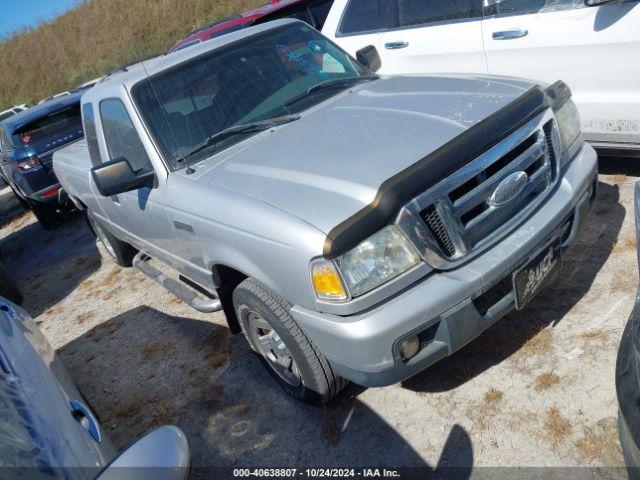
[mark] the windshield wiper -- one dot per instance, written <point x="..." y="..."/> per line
<point x="240" y="130"/>
<point x="341" y="82"/>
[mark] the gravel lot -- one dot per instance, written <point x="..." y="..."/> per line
<point x="537" y="389"/>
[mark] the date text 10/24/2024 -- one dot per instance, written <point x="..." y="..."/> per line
<point x="315" y="473"/>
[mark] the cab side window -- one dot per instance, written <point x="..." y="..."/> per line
<point x="364" y="16"/>
<point x="420" y="12"/>
<point x="90" y="133"/>
<point x="524" y="7"/>
<point x="121" y="136"/>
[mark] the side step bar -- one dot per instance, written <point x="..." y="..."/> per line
<point x="141" y="262"/>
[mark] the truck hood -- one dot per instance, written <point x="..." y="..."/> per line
<point x="330" y="164"/>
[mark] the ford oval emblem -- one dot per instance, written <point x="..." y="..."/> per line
<point x="509" y="189"/>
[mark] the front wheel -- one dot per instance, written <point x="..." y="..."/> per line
<point x="291" y="358"/>
<point x="120" y="252"/>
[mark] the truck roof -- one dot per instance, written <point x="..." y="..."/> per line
<point x="131" y="75"/>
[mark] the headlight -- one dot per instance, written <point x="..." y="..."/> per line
<point x="569" y="128"/>
<point x="378" y="259"/>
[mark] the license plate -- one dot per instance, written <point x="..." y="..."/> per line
<point x="530" y="279"/>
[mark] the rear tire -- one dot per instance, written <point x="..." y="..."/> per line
<point x="46" y="214"/>
<point x="291" y="358"/>
<point x="8" y="288"/>
<point x="120" y="252"/>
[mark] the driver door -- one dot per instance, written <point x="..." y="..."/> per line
<point x="138" y="217"/>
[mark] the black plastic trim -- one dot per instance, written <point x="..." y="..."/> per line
<point x="438" y="165"/>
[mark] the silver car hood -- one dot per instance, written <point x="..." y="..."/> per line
<point x="328" y="165"/>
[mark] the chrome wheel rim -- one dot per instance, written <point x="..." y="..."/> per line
<point x="104" y="240"/>
<point x="273" y="349"/>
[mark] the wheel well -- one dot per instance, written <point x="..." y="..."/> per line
<point x="228" y="279"/>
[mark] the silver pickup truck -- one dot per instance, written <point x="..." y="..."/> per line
<point x="352" y="226"/>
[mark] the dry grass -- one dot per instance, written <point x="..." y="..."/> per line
<point x="111" y="276"/>
<point x="547" y="380"/>
<point x="83" y="317"/>
<point x="96" y="37"/>
<point x="556" y="428"/>
<point x="618" y="179"/>
<point x="133" y="408"/>
<point x="493" y="397"/>
<point x="600" y="442"/>
<point x="589" y="446"/>
<point x="601" y="335"/>
<point x="156" y="350"/>
<point x="624" y="283"/>
<point x="217" y="358"/>
<point x="539" y="344"/>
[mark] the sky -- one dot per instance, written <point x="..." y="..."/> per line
<point x="15" y="14"/>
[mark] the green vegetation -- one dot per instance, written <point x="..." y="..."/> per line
<point x="95" y="38"/>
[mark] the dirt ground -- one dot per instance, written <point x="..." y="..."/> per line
<point x="537" y="389"/>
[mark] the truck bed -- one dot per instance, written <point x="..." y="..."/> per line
<point x="72" y="165"/>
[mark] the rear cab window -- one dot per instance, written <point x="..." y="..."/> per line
<point x="121" y="136"/>
<point x="90" y="133"/>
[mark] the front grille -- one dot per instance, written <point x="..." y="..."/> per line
<point x="461" y="213"/>
<point x="434" y="221"/>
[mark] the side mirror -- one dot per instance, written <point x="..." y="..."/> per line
<point x="370" y="58"/>
<point x="161" y="455"/>
<point x="117" y="176"/>
<point x="595" y="3"/>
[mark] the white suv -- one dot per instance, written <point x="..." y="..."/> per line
<point x="594" y="46"/>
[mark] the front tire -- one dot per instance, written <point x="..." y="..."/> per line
<point x="120" y="252"/>
<point x="291" y="358"/>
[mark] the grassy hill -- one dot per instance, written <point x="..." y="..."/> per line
<point x="96" y="37"/>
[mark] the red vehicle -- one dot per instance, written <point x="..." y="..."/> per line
<point x="314" y="12"/>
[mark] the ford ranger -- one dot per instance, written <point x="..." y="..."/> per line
<point x="352" y="226"/>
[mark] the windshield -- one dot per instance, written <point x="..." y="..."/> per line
<point x="45" y="127"/>
<point x="265" y="76"/>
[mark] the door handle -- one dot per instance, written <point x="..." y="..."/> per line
<point x="85" y="418"/>
<point x="510" y="34"/>
<point x="396" y="45"/>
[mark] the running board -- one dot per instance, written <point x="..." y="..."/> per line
<point x="141" y="262"/>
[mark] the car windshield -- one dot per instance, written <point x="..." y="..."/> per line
<point x="265" y="77"/>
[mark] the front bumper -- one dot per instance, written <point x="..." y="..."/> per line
<point x="451" y="308"/>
